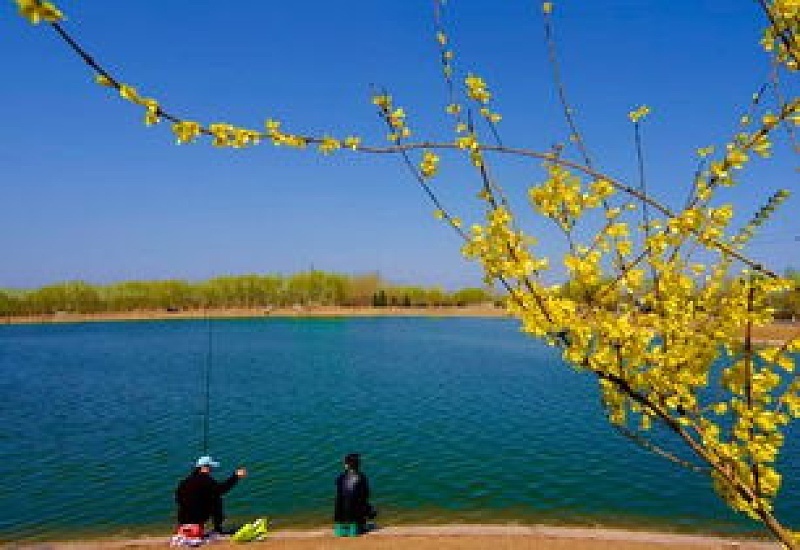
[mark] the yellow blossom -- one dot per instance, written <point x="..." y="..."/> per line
<point x="352" y="142"/>
<point x="490" y="116"/>
<point x="272" y="126"/>
<point x="222" y="133"/>
<point x="602" y="188"/>
<point x="329" y="144"/>
<point x="186" y="131"/>
<point x="624" y="247"/>
<point x="719" y="170"/>
<point x="476" y="157"/>
<point x="617" y="230"/>
<point x="129" y="93"/>
<point x="476" y="89"/>
<point x="429" y="165"/>
<point x="383" y="101"/>
<point x="468" y="141"/>
<point x="720" y="408"/>
<point x="103" y="80"/>
<point x="736" y="157"/>
<point x="762" y="146"/>
<point x="397" y="118"/>
<point x="703" y="152"/>
<point x="639" y="113"/>
<point x="152" y="112"/>
<point x="36" y="11"/>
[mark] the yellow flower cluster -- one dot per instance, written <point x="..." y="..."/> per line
<point x="329" y="144"/>
<point x="502" y="250"/>
<point x="704" y="152"/>
<point x="758" y="142"/>
<point x="228" y="135"/>
<point x="278" y="137"/>
<point x="660" y="338"/>
<point x="477" y="90"/>
<point x="490" y="116"/>
<point x="562" y="198"/>
<point x="37" y="11"/>
<point x="395" y="117"/>
<point x="469" y="143"/>
<point x="785" y="15"/>
<point x="429" y="165"/>
<point x="446" y="55"/>
<point x="152" y="114"/>
<point x="639" y="113"/>
<point x="186" y="131"/>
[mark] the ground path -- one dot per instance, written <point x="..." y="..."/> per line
<point x="449" y="537"/>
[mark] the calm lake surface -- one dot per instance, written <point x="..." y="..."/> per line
<point x="458" y="420"/>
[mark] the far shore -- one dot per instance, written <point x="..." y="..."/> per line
<point x="452" y="537"/>
<point x="260" y="312"/>
<point x="777" y="332"/>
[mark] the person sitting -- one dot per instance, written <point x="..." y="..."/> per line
<point x="352" y="508"/>
<point x="199" y="496"/>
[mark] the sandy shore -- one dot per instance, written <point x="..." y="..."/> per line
<point x="777" y="332"/>
<point x="462" y="537"/>
<point x="237" y="313"/>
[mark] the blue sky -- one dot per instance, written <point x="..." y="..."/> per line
<point x="90" y="193"/>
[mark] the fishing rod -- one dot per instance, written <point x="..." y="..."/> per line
<point x="207" y="385"/>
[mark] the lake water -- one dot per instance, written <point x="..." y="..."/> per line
<point x="457" y="420"/>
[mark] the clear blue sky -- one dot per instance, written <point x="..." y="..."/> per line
<point x="90" y="193"/>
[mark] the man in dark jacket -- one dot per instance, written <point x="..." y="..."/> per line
<point x="352" y="507"/>
<point x="199" y="496"/>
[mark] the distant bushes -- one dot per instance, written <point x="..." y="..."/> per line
<point x="787" y="304"/>
<point x="243" y="291"/>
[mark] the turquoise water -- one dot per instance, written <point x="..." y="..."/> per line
<point x="458" y="420"/>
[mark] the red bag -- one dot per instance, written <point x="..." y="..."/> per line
<point x="190" y="530"/>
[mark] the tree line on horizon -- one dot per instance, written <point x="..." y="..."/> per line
<point x="310" y="288"/>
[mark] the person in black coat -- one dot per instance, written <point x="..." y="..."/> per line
<point x="352" y="508"/>
<point x="199" y="496"/>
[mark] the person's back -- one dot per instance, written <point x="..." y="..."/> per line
<point x="195" y="497"/>
<point x="352" y="508"/>
<point x="199" y="496"/>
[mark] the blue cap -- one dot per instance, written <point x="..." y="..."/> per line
<point x="206" y="461"/>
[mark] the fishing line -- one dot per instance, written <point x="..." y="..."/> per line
<point x="207" y="385"/>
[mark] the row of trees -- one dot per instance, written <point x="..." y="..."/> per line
<point x="787" y="303"/>
<point x="255" y="291"/>
<point x="243" y="291"/>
